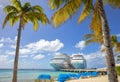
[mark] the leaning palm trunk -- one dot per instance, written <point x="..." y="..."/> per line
<point x="112" y="75"/>
<point x="17" y="52"/>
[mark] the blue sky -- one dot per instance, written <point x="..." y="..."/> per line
<point x="37" y="48"/>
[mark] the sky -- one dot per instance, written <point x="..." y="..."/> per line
<point x="37" y="48"/>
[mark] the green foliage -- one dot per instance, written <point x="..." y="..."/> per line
<point x="96" y="25"/>
<point x="27" y="13"/>
<point x="118" y="70"/>
<point x="54" y="4"/>
<point x="93" y="38"/>
<point x="86" y="10"/>
<point x="114" y="3"/>
<point x="64" y="13"/>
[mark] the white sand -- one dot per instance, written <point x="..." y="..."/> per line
<point x="92" y="79"/>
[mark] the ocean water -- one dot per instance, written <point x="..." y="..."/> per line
<point x="26" y="75"/>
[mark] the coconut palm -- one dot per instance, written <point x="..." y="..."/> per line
<point x="69" y="7"/>
<point x="24" y="14"/>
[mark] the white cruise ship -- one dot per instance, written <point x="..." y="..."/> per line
<point x="78" y="61"/>
<point x="61" y="61"/>
<point x="118" y="58"/>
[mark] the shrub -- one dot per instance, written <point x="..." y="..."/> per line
<point x="118" y="70"/>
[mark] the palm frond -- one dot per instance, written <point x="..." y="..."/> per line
<point x="9" y="9"/>
<point x="66" y="12"/>
<point x="8" y="17"/>
<point x="90" y="41"/>
<point x="114" y="38"/>
<point x="17" y="4"/>
<point x="86" y="10"/>
<point x="92" y="38"/>
<point x="34" y="21"/>
<point x="114" y="3"/>
<point x="54" y="4"/>
<point x="26" y="6"/>
<point x="40" y="16"/>
<point x="96" y="25"/>
<point x="32" y="18"/>
<point x="35" y="24"/>
<point x="13" y="20"/>
<point x="88" y="36"/>
<point x="43" y="18"/>
<point x="24" y="21"/>
<point x="117" y="49"/>
<point x="38" y="8"/>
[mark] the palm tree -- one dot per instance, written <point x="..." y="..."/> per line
<point x="69" y="7"/>
<point x="92" y="38"/>
<point x="24" y="14"/>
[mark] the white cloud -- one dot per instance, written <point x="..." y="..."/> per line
<point x="94" y="55"/>
<point x="1" y="45"/>
<point x="10" y="61"/>
<point x="15" y="39"/>
<point x="24" y="56"/>
<point x="3" y="58"/>
<point x="32" y="50"/>
<point x="5" y="62"/>
<point x="8" y="40"/>
<point x="58" y="53"/>
<point x="39" y="46"/>
<point x="80" y="45"/>
<point x="118" y="35"/>
<point x="13" y="46"/>
<point x="37" y="57"/>
<point x="10" y="52"/>
<point x="25" y="51"/>
<point x="35" y="47"/>
<point x="44" y="45"/>
<point x="1" y="6"/>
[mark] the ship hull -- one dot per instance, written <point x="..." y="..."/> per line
<point x="78" y="65"/>
<point x="58" y="66"/>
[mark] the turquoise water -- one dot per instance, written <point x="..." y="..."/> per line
<point x="26" y="75"/>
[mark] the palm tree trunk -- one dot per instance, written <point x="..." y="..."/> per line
<point x="17" y="52"/>
<point x="112" y="75"/>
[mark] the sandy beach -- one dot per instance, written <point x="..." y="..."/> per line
<point x="93" y="79"/>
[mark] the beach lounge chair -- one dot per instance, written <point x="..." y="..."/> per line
<point x="84" y="74"/>
<point x="63" y="77"/>
<point x="73" y="76"/>
<point x="94" y="74"/>
<point x="43" y="78"/>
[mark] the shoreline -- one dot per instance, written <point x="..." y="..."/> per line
<point x="93" y="79"/>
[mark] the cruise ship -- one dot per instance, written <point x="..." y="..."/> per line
<point x="78" y="61"/>
<point x="118" y="58"/>
<point x="61" y="61"/>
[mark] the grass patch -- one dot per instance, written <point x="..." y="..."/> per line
<point x="118" y="70"/>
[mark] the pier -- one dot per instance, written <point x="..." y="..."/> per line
<point x="101" y="71"/>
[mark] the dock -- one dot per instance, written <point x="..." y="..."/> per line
<point x="101" y="71"/>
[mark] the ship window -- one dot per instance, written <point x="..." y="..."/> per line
<point x="59" y="58"/>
